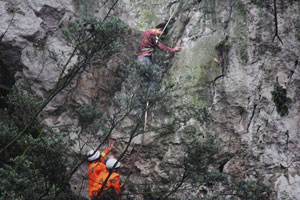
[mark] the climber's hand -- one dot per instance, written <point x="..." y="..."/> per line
<point x="177" y="48"/>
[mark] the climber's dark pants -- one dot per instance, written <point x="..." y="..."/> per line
<point x="149" y="72"/>
<point x="146" y="60"/>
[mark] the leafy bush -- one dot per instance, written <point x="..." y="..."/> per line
<point x="200" y="155"/>
<point x="41" y="167"/>
<point x="21" y="106"/>
<point x="36" y="162"/>
<point x="95" y="39"/>
<point x="87" y="113"/>
<point x="252" y="190"/>
<point x="280" y="99"/>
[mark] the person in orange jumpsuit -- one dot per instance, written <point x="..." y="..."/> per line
<point x="112" y="187"/>
<point x="97" y="165"/>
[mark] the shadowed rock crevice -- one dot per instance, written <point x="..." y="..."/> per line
<point x="9" y="64"/>
<point x="6" y="82"/>
<point x="50" y="15"/>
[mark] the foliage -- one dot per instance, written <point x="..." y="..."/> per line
<point x="95" y="39"/>
<point x="280" y="99"/>
<point x="259" y="3"/>
<point x="293" y="1"/>
<point x="199" y="170"/>
<point x="223" y="44"/>
<point x="36" y="160"/>
<point x="141" y="84"/>
<point x="40" y="166"/>
<point x="21" y="105"/>
<point x="200" y="155"/>
<point x="108" y="195"/>
<point x="6" y="135"/>
<point x="252" y="190"/>
<point x="87" y="113"/>
<point x="90" y="41"/>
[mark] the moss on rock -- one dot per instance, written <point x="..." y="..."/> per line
<point x="195" y="70"/>
<point x="149" y="13"/>
<point x="240" y="29"/>
<point x="147" y="18"/>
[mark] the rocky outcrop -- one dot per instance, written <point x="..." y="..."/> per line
<point x="252" y="61"/>
<point x="230" y="60"/>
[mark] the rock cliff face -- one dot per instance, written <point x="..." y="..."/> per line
<point x="235" y="56"/>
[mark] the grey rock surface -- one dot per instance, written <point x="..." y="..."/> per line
<point x="237" y="91"/>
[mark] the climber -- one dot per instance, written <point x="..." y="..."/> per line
<point x="97" y="165"/>
<point x="149" y="40"/>
<point x="111" y="188"/>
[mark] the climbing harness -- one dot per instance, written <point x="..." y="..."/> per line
<point x="147" y="49"/>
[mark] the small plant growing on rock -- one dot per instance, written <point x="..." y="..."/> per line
<point x="87" y="113"/>
<point x="281" y="100"/>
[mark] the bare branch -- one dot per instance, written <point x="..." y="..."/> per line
<point x="11" y="21"/>
<point x="110" y="10"/>
<point x="3" y="87"/>
<point x="276" y="24"/>
<point x="183" y="178"/>
<point x="137" y="126"/>
<point x="62" y="83"/>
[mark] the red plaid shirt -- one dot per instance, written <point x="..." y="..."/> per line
<point x="149" y="41"/>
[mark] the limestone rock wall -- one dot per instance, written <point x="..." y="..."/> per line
<point x="230" y="52"/>
<point x="252" y="59"/>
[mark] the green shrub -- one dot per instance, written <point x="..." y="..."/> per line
<point x="280" y="99"/>
<point x="252" y="190"/>
<point x="36" y="162"/>
<point x="87" y="113"/>
<point x="38" y="170"/>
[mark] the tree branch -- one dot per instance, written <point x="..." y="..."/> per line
<point x="276" y="24"/>
<point x="3" y="87"/>
<point x="110" y="10"/>
<point x="57" y="89"/>
<point x="121" y="156"/>
<point x="183" y="178"/>
<point x="3" y="34"/>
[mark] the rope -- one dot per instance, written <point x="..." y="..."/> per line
<point x="168" y="22"/>
<point x="146" y="114"/>
<point x="142" y="142"/>
<point x="147" y="105"/>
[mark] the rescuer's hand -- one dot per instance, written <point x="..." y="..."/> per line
<point x="111" y="144"/>
<point x="123" y="186"/>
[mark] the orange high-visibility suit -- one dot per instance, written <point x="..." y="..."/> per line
<point x="112" y="185"/>
<point x="95" y="168"/>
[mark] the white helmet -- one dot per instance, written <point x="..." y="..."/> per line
<point x="111" y="162"/>
<point x="93" y="156"/>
